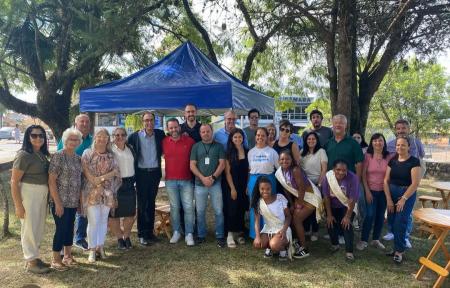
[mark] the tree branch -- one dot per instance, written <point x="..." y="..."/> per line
<point x="248" y="20"/>
<point x="13" y="103"/>
<point x="202" y="31"/>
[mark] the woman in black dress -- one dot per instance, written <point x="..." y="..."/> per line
<point x="236" y="171"/>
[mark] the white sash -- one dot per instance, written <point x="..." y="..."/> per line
<point x="273" y="221"/>
<point x="314" y="198"/>
<point x="337" y="191"/>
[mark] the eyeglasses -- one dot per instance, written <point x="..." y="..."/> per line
<point x="120" y="135"/>
<point x="254" y="117"/>
<point x="287" y="130"/>
<point x="35" y="136"/>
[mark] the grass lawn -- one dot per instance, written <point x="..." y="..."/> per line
<point x="165" y="265"/>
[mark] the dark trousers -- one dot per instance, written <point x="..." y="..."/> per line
<point x="147" y="182"/>
<point x="311" y="223"/>
<point x="225" y="193"/>
<point x="64" y="228"/>
<point x="374" y="216"/>
<point x="81" y="223"/>
<point x="338" y="214"/>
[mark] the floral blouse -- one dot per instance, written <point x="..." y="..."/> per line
<point x="98" y="165"/>
<point x="68" y="181"/>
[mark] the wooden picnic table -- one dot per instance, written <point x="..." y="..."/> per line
<point x="444" y="188"/>
<point x="439" y="220"/>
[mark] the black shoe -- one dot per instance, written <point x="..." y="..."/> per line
<point x="201" y="240"/>
<point x="41" y="263"/>
<point x="82" y="244"/>
<point x="128" y="243"/>
<point x="121" y="244"/>
<point x="153" y="239"/>
<point x="221" y="243"/>
<point x="144" y="241"/>
<point x="268" y="253"/>
<point x="398" y="259"/>
<point x="301" y="253"/>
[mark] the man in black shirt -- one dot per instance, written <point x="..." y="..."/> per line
<point x="191" y="126"/>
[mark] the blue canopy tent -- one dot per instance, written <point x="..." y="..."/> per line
<point x="184" y="76"/>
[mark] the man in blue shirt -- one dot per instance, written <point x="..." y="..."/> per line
<point x="221" y="135"/>
<point x="147" y="143"/>
<point x="82" y="124"/>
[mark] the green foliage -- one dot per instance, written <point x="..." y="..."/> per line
<point x="417" y="91"/>
<point x="324" y="105"/>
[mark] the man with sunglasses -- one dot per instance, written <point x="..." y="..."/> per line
<point x="250" y="131"/>
<point x="82" y="124"/>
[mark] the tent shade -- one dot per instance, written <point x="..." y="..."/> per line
<point x="184" y="76"/>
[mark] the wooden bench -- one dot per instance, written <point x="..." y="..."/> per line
<point x="434" y="200"/>
<point x="163" y="224"/>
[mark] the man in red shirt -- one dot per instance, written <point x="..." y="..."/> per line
<point x="177" y="150"/>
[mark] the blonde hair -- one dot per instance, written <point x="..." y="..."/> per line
<point x="108" y="144"/>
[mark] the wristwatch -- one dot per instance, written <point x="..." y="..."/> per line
<point x="213" y="177"/>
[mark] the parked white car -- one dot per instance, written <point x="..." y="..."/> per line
<point x="7" y="133"/>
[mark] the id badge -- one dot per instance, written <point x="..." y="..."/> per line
<point x="207" y="161"/>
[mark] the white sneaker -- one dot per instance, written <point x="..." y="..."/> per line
<point x="314" y="237"/>
<point x="377" y="244"/>
<point x="91" y="258"/>
<point x="189" y="239"/>
<point x="388" y="237"/>
<point x="175" y="237"/>
<point x="361" y="245"/>
<point x="230" y="241"/>
<point x="408" y="244"/>
<point x="326" y="236"/>
<point x="341" y="240"/>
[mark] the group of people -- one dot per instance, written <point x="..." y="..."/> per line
<point x="286" y="188"/>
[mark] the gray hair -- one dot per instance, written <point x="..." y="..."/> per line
<point x="108" y="145"/>
<point x="70" y="132"/>
<point x="80" y="116"/>
<point x="340" y="117"/>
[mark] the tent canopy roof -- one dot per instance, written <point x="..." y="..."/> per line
<point x="184" y="76"/>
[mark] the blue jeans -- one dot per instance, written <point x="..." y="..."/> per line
<point x="201" y="201"/>
<point x="409" y="228"/>
<point x="181" y="194"/>
<point x="374" y="216"/>
<point x="361" y="205"/>
<point x="400" y="220"/>
<point x="81" y="223"/>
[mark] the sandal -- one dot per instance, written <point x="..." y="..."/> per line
<point x="70" y="261"/>
<point x="58" y="266"/>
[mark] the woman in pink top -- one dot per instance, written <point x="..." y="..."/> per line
<point x="374" y="168"/>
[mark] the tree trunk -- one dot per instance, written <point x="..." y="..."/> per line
<point x="5" y="225"/>
<point x="347" y="83"/>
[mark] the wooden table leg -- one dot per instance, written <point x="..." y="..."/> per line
<point x="441" y="279"/>
<point x="440" y="235"/>
<point x="444" y="198"/>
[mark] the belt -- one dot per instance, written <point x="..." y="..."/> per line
<point x="149" y="169"/>
<point x="128" y="179"/>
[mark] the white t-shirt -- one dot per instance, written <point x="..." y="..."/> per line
<point x="125" y="160"/>
<point x="311" y="164"/>
<point x="263" y="160"/>
<point x="277" y="207"/>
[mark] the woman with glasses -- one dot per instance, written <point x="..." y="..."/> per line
<point x="284" y="142"/>
<point x="29" y="188"/>
<point x="64" y="183"/>
<point x="126" y="195"/>
<point x="99" y="191"/>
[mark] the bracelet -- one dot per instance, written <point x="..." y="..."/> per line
<point x="404" y="197"/>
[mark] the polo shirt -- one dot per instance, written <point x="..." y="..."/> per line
<point x="86" y="143"/>
<point x="251" y="134"/>
<point x="194" y="132"/>
<point x="214" y="152"/>
<point x="177" y="156"/>
<point x="221" y="136"/>
<point x="347" y="149"/>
